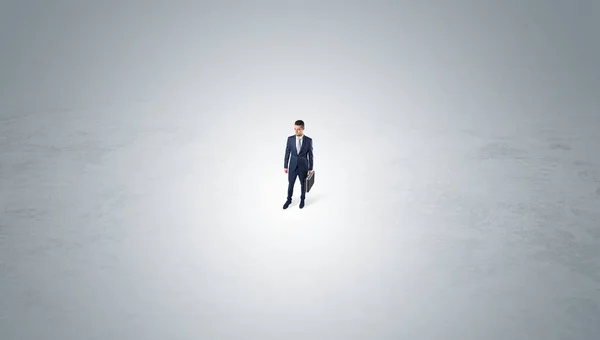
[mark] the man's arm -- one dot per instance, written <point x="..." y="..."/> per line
<point x="287" y="155"/>
<point x="310" y="156"/>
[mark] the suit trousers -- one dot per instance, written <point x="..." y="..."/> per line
<point x="301" y="174"/>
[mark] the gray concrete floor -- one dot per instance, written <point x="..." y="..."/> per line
<point x="456" y="152"/>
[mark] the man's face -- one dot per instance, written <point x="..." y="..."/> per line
<point x="299" y="130"/>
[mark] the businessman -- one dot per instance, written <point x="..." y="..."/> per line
<point x="298" y="161"/>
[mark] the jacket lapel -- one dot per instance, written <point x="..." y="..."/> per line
<point x="303" y="143"/>
<point x="295" y="142"/>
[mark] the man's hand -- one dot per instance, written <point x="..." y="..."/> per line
<point x="310" y="172"/>
<point x="285" y="170"/>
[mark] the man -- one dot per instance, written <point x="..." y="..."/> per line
<point x="299" y="157"/>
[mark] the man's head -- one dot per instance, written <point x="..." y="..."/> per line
<point x="299" y="128"/>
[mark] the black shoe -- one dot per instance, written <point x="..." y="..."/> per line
<point x="287" y="204"/>
<point x="301" y="204"/>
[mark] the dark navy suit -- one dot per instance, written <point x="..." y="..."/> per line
<point x="298" y="164"/>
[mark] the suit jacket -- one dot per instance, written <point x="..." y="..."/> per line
<point x="302" y="160"/>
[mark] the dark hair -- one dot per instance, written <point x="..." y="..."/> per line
<point x="299" y="123"/>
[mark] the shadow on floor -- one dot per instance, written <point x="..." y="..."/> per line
<point x="313" y="198"/>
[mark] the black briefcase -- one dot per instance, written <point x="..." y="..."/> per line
<point x="310" y="181"/>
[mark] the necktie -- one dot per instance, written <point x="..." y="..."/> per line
<point x="299" y="145"/>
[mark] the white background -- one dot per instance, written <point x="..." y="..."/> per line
<point x="457" y="190"/>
